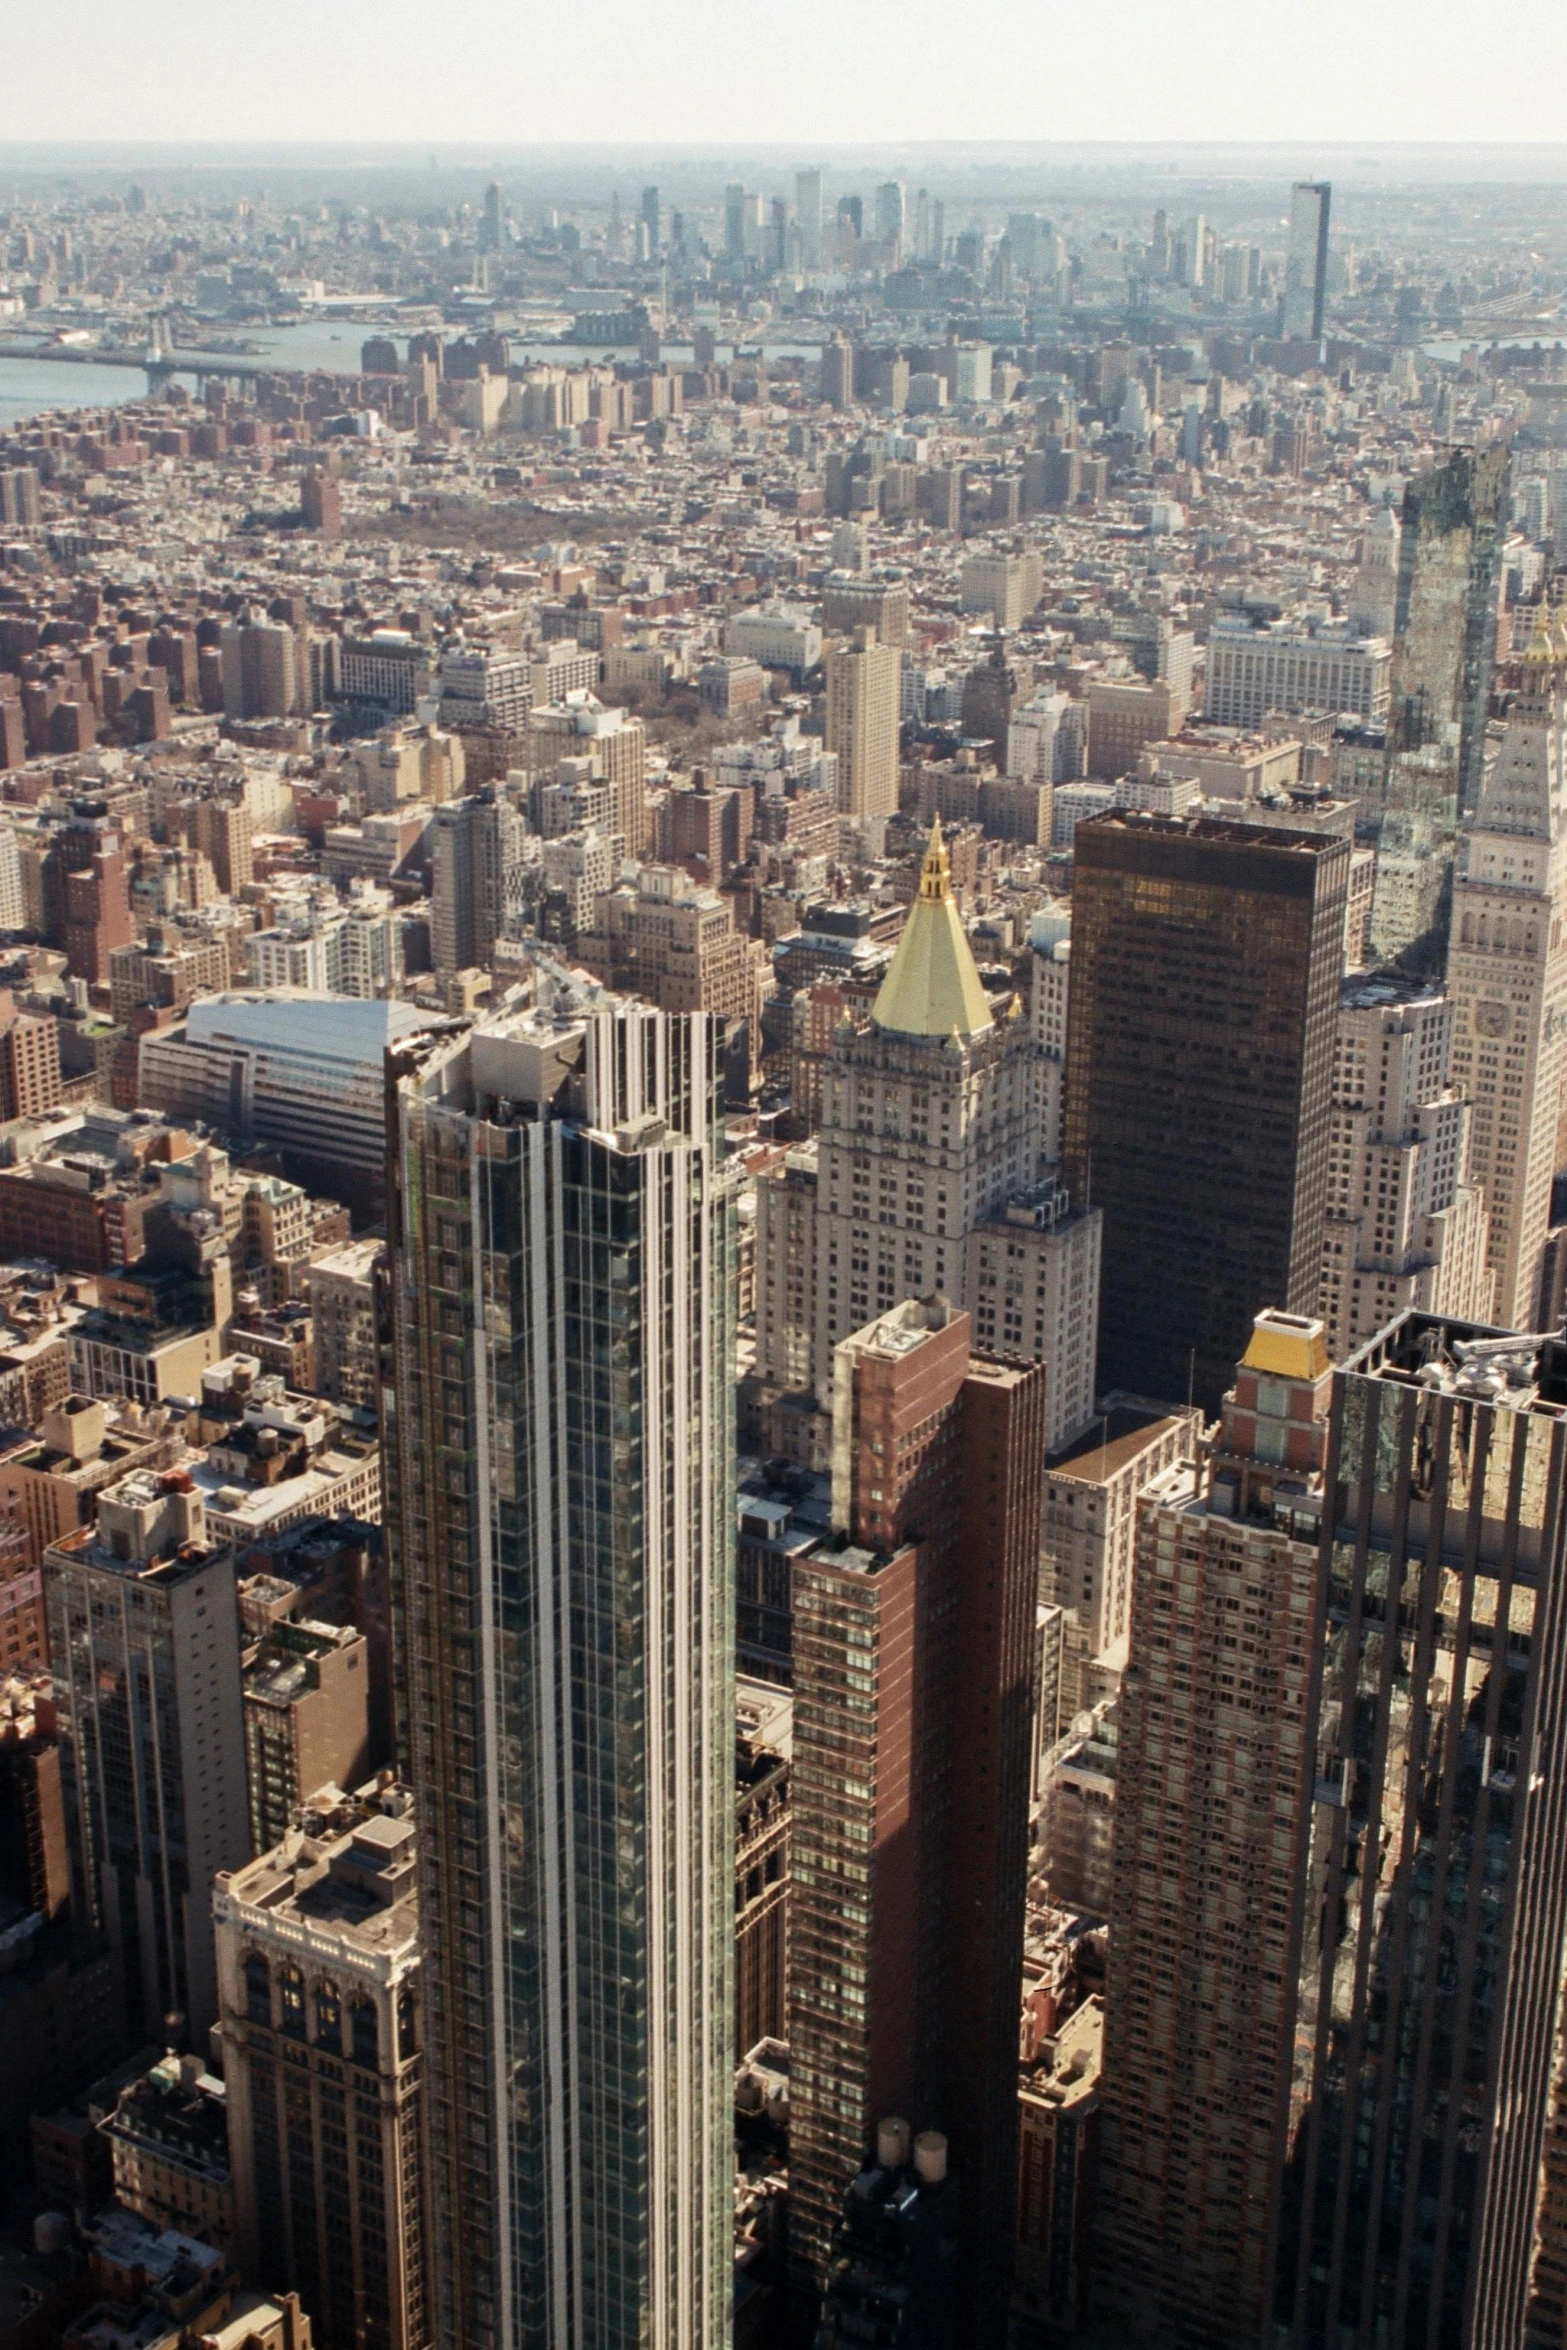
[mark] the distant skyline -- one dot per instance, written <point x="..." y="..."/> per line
<point x="713" y="72"/>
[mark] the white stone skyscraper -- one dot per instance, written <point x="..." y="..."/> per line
<point x="562" y="1517"/>
<point x="1373" y="591"/>
<point x="928" y="1178"/>
<point x="1507" y="976"/>
<point x="1406" y="1223"/>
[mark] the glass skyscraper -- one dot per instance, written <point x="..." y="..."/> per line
<point x="1445" y="624"/>
<point x="1434" y="1895"/>
<point x="1199" y="1060"/>
<point x="1306" y="261"/>
<point x="1454" y="520"/>
<point x="560" y="1427"/>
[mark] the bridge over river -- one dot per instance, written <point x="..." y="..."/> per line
<point x="157" y="364"/>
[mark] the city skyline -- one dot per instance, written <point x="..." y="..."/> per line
<point x="783" y="1207"/>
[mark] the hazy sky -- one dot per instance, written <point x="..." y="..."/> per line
<point x="750" y="71"/>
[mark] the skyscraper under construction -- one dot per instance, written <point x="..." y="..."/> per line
<point x="561" y="1457"/>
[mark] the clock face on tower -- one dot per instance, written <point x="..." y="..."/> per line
<point x="1491" y="1019"/>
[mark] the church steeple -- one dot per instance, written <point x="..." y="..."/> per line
<point x="933" y="987"/>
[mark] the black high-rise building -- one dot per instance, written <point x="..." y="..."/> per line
<point x="1205" y="967"/>
<point x="990" y="693"/>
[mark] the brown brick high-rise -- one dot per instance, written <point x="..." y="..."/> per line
<point x="913" y="1689"/>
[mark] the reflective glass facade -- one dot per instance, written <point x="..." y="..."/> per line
<point x="1445" y="626"/>
<point x="562" y="1264"/>
<point x="1454" y="520"/>
<point x="1435" y="1885"/>
<point x="1306" y="261"/>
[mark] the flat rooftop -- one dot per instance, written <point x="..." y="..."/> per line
<point x="1511" y="1370"/>
<point x="1115" y="1438"/>
<point x="1374" y="989"/>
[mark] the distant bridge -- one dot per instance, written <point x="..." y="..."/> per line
<point x="158" y="364"/>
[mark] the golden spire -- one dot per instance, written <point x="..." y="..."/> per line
<point x="1542" y="654"/>
<point x="933" y="987"/>
<point x="936" y="872"/>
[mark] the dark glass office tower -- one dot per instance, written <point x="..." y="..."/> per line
<point x="1306" y="261"/>
<point x="561" y="1505"/>
<point x="1200" y="1034"/>
<point x="1435" y="1890"/>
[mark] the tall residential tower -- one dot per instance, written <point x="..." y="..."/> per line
<point x="1212" y="1794"/>
<point x="863" y="684"/>
<point x="562" y="1510"/>
<point x="145" y="1654"/>
<point x="913" y="1666"/>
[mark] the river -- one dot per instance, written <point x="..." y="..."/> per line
<point x="30" y="386"/>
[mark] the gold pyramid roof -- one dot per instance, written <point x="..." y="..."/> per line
<point x="1543" y="649"/>
<point x="932" y="987"/>
<point x="1287" y="1346"/>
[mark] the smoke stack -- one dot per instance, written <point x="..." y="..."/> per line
<point x="892" y="2142"/>
<point x="930" y="2157"/>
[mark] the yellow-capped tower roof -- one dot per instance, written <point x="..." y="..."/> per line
<point x="1543" y="651"/>
<point x="933" y="987"/>
<point x="1287" y="1346"/>
<point x="1557" y="622"/>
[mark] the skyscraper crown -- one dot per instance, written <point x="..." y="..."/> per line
<point x="1522" y="793"/>
<point x="933" y="987"/>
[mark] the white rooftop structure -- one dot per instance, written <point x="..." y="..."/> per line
<point x="284" y="1070"/>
